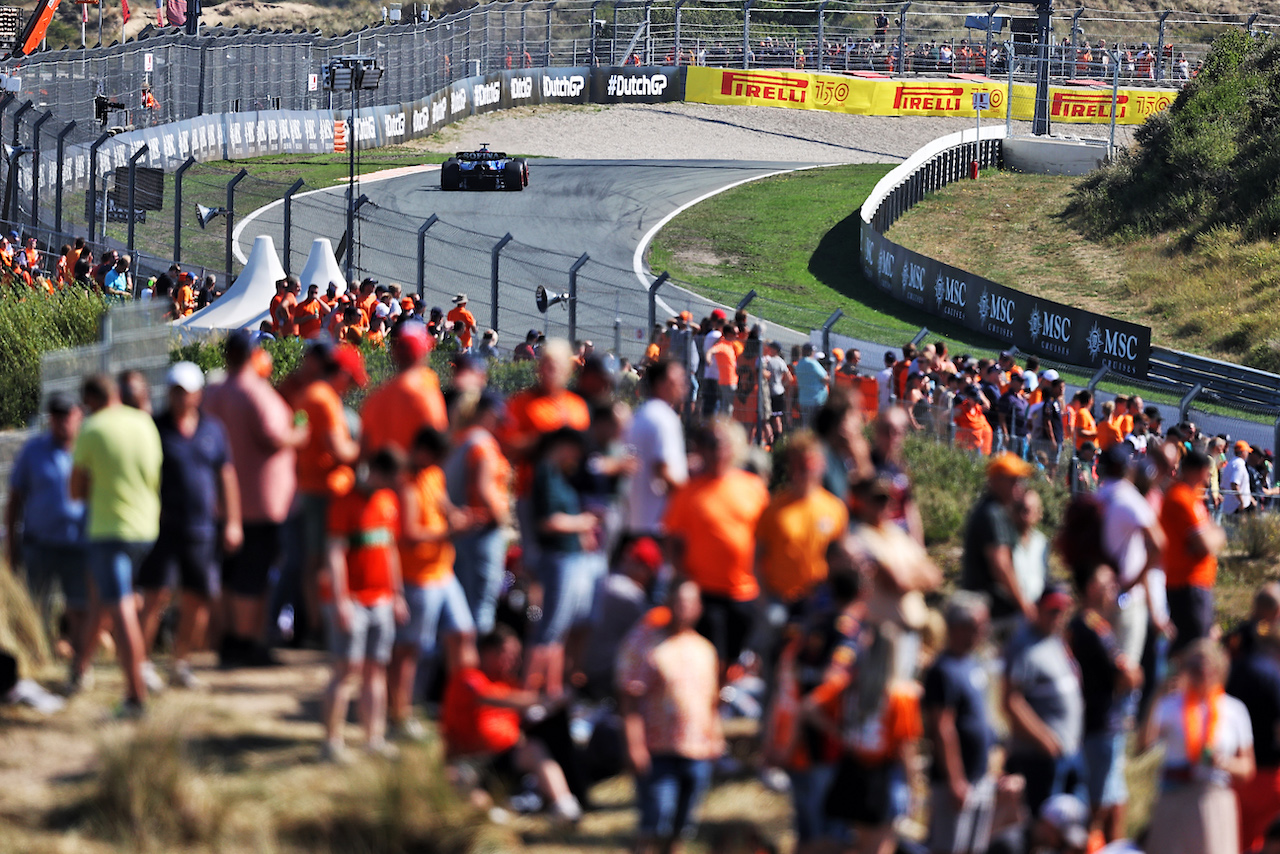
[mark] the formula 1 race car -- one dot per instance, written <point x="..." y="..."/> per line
<point x="484" y="170"/>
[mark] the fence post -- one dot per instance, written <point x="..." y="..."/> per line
<point x="493" y="279"/>
<point x="288" y="224"/>
<point x="1248" y="28"/>
<point x="653" y="298"/>
<point x="746" y="38"/>
<point x="573" y="295"/>
<point x="746" y="300"/>
<point x="17" y="118"/>
<point x="422" y="255"/>
<point x="1008" y="95"/>
<point x="231" y="214"/>
<point x="133" y="191"/>
<point x="11" y="191"/>
<point x="594" y="6"/>
<point x="1040" y="125"/>
<point x="1185" y="404"/>
<point x="902" y="40"/>
<point x="93" y="185"/>
<point x="547" y="52"/>
<point x="680" y="3"/>
<point x="920" y="336"/>
<point x="1276" y="435"/>
<point x="826" y="337"/>
<point x="991" y="14"/>
<point x="57" y="201"/>
<point x="177" y="208"/>
<point x="1160" y="46"/>
<point x="1097" y="378"/>
<point x="1115" y="95"/>
<point x="35" y="168"/>
<point x="1075" y="30"/>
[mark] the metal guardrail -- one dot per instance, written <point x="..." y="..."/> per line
<point x="1195" y="379"/>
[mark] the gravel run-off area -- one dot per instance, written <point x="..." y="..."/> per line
<point x="706" y="132"/>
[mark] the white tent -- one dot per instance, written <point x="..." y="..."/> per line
<point x="322" y="268"/>
<point x="247" y="302"/>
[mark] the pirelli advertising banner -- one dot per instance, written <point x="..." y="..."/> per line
<point x="798" y="90"/>
<point x="1032" y="324"/>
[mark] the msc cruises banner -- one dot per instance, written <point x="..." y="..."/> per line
<point x="1032" y="324"/>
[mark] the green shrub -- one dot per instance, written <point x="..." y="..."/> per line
<point x="33" y="323"/>
<point x="1209" y="160"/>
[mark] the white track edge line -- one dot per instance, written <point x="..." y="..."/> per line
<point x="637" y="260"/>
<point x="252" y="215"/>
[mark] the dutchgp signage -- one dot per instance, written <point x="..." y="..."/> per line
<point x="835" y="93"/>
<point x="1032" y="324"/>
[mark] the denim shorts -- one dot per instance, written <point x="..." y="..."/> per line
<point x="66" y="563"/>
<point x="113" y="565"/>
<point x="440" y="605"/>
<point x="569" y="586"/>
<point x="670" y="796"/>
<point x="373" y="627"/>
<point x="1104" y="756"/>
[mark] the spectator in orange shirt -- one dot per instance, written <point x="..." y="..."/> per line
<point x="281" y="312"/>
<point x="711" y="533"/>
<point x="546" y="406"/>
<point x="435" y="601"/>
<point x="352" y="330"/>
<point x="366" y="299"/>
<point x="800" y="523"/>
<point x="480" y="719"/>
<point x="364" y="598"/>
<point x="325" y="460"/>
<point x="460" y="314"/>
<point x="185" y="299"/>
<point x="1086" y="429"/>
<point x="1192" y="543"/>
<point x="479" y="481"/>
<point x="395" y="411"/>
<point x="1108" y="427"/>
<point x="719" y="393"/>
<point x="308" y="314"/>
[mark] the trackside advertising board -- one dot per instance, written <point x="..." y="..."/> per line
<point x="502" y="90"/>
<point x="1032" y="324"/>
<point x="799" y="90"/>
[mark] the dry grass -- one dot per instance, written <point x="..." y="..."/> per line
<point x="22" y="632"/>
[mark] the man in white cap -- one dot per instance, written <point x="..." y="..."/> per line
<point x="460" y="314"/>
<point x="198" y="490"/>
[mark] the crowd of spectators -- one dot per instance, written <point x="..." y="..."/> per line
<point x="593" y="575"/>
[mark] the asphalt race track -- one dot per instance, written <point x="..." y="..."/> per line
<point x="604" y="208"/>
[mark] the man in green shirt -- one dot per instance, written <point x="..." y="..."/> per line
<point x="116" y="472"/>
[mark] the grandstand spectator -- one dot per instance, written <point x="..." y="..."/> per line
<point x="1031" y="551"/>
<point x="888" y="440"/>
<point x="199" y="520"/>
<point x="524" y="351"/>
<point x="711" y="523"/>
<point x="44" y="526"/>
<point x="657" y="436"/>
<point x="1193" y="541"/>
<point x="1048" y="436"/>
<point x="812" y="384"/>
<point x="395" y="411"/>
<point x="1208" y="743"/>
<point x="116" y="472"/>
<point x="460" y="314"/>
<point x="621" y="601"/>
<point x="308" y="314"/>
<point x="990" y="535"/>
<point x="1255" y="681"/>
<point x="669" y="693"/>
<point x="325" y="459"/>
<point x="118" y="281"/>
<point x="282" y="307"/>
<point x="1237" y="499"/>
<point x="478" y="477"/>
<point x="263" y="438"/>
<point x="958" y="723"/>
<point x="364" y="601"/>
<point x="1044" y="704"/>
<point x="1132" y="540"/>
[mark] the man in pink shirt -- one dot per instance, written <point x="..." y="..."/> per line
<point x="262" y="435"/>
<point x="668" y="684"/>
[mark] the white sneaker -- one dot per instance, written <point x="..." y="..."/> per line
<point x="567" y="809"/>
<point x="152" y="679"/>
<point x="336" y="752"/>
<point x="409" y="729"/>
<point x="182" y="677"/>
<point x="382" y="749"/>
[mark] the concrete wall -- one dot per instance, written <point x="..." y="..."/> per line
<point x="1053" y="156"/>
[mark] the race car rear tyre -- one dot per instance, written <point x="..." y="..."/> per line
<point x="524" y="173"/>
<point x="513" y="176"/>
<point x="451" y="175"/>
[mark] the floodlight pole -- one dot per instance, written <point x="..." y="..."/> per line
<point x="351" y="183"/>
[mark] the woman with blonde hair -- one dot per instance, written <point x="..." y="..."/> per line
<point x="1208" y="745"/>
